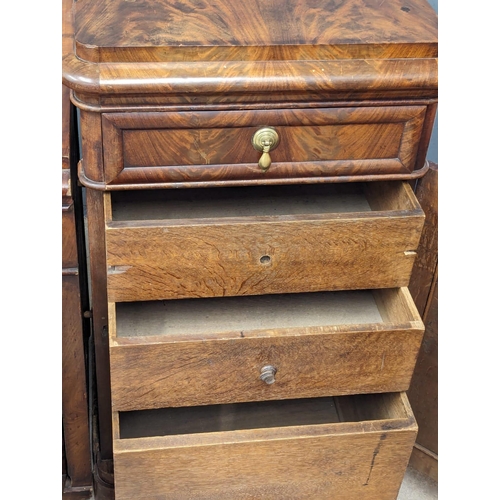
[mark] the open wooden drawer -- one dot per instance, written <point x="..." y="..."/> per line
<point x="261" y="240"/>
<point x="235" y="349"/>
<point x="326" y="448"/>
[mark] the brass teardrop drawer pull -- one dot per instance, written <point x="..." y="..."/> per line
<point x="265" y="140"/>
<point x="267" y="374"/>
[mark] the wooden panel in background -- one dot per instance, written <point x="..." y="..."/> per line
<point x="423" y="392"/>
<point x="427" y="254"/>
<point x="74" y="404"/>
<point x="77" y="466"/>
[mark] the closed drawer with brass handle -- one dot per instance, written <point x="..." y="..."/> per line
<point x="260" y="240"/>
<point x="175" y="149"/>
<point x="232" y="349"/>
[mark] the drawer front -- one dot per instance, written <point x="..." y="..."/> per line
<point x="214" y="146"/>
<point x="205" y="362"/>
<point x="213" y="257"/>
<point x="351" y="455"/>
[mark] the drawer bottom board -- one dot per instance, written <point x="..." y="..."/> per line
<point x="350" y="447"/>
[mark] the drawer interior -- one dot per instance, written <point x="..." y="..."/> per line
<point x="261" y="315"/>
<point x="261" y="201"/>
<point x="260" y="415"/>
<point x="194" y="352"/>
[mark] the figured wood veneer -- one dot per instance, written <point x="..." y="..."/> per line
<point x="159" y="30"/>
<point x="197" y="51"/>
<point x="170" y="93"/>
<point x="211" y="146"/>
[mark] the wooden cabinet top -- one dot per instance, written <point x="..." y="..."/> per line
<point x="209" y="46"/>
<point x="182" y="30"/>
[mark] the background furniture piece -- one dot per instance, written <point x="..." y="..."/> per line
<point x="165" y="111"/>
<point x="423" y="393"/>
<point x="77" y="474"/>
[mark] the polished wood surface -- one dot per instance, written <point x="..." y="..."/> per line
<point x="152" y="30"/>
<point x="363" y="459"/>
<point x="317" y="342"/>
<point x="204" y="146"/>
<point x="170" y="94"/>
<point x="386" y="46"/>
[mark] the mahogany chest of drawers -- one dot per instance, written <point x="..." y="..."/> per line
<point x="252" y="232"/>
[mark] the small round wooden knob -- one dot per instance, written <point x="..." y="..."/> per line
<point x="267" y="374"/>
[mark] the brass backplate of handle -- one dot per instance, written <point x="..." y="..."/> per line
<point x="265" y="140"/>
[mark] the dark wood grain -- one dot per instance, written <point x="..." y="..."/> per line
<point x="423" y="392"/>
<point x="77" y="477"/>
<point x="334" y="77"/>
<point x="343" y="460"/>
<point x="226" y="145"/>
<point x="313" y="142"/>
<point x="218" y="51"/>
<point x="69" y="243"/>
<point x="65" y="126"/>
<point x="92" y="144"/>
<point x="146" y="58"/>
<point x="74" y="401"/>
<point x="160" y="30"/>
<point x="249" y="100"/>
<point x="100" y="318"/>
<point x="427" y="254"/>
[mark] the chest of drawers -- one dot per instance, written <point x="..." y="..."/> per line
<point x="251" y="235"/>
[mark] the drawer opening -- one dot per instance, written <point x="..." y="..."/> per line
<point x="261" y="415"/>
<point x="180" y="244"/>
<point x="267" y="315"/>
<point x="262" y="201"/>
<point x="197" y="352"/>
